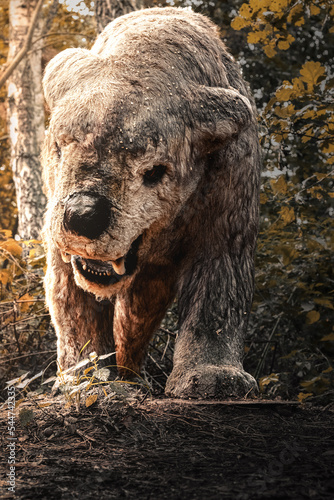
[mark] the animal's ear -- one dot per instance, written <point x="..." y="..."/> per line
<point x="219" y="114"/>
<point x="65" y="71"/>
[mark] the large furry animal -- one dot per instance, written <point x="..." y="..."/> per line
<point x="151" y="167"/>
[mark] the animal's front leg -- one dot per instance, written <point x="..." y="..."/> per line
<point x="138" y="313"/>
<point x="76" y="315"/>
<point x="214" y="304"/>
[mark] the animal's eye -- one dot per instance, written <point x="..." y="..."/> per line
<point x="153" y="176"/>
<point x="58" y="150"/>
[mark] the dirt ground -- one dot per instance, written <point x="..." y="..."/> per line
<point x="156" y="448"/>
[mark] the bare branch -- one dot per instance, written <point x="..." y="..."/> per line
<point x="20" y="55"/>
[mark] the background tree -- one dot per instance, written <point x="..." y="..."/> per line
<point x="297" y="122"/>
<point x="26" y="117"/>
<point x="23" y="108"/>
<point x="107" y="10"/>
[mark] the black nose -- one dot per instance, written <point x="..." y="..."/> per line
<point x="87" y="214"/>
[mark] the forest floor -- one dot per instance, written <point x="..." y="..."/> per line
<point x="142" y="447"/>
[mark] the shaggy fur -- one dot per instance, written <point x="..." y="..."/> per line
<point x="151" y="167"/>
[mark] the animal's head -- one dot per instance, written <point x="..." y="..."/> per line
<point x="122" y="155"/>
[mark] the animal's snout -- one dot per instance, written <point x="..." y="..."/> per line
<point x="87" y="214"/>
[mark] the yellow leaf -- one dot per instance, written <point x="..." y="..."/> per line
<point x="325" y="303"/>
<point x="238" y="23"/>
<point x="290" y="39"/>
<point x="279" y="137"/>
<point x="310" y="113"/>
<point x="279" y="186"/>
<point x="310" y="383"/>
<point x="254" y="37"/>
<point x="91" y="400"/>
<point x="25" y="302"/>
<point x="6" y="233"/>
<point x="285" y="112"/>
<point x="316" y="384"/>
<point x="285" y="92"/>
<point x="298" y="87"/>
<point x="306" y="138"/>
<point x="328" y="370"/>
<point x="269" y="51"/>
<point x="89" y="369"/>
<point x="311" y="72"/>
<point x="273" y="377"/>
<point x="245" y="11"/>
<point x="263" y="198"/>
<point x="12" y="247"/>
<point x="290" y="355"/>
<point x="5" y="276"/>
<point x="312" y="317"/>
<point x="277" y="5"/>
<point x="314" y="10"/>
<point x="295" y="14"/>
<point x="329" y="337"/>
<point x="283" y="45"/>
<point x="329" y="148"/>
<point x="287" y="214"/>
<point x="304" y="395"/>
<point x="288" y="253"/>
<point x="321" y="112"/>
<point x="300" y="21"/>
<point x="313" y="245"/>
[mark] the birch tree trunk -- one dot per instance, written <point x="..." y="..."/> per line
<point x="26" y="119"/>
<point x="107" y="10"/>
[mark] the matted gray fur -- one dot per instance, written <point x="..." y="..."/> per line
<point x="151" y="168"/>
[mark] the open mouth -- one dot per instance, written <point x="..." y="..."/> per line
<point x="103" y="272"/>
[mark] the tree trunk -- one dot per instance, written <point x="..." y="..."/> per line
<point x="26" y="119"/>
<point x="107" y="10"/>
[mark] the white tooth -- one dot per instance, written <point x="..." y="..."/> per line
<point x="119" y="266"/>
<point x="66" y="257"/>
<point x="84" y="267"/>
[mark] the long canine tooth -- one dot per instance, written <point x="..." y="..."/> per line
<point x="84" y="267"/>
<point x="119" y="266"/>
<point x="66" y="257"/>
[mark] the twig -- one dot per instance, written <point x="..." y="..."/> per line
<point x="20" y="55"/>
<point x="169" y="332"/>
<point x="14" y="328"/>
<point x="157" y="364"/>
<point x="166" y="347"/>
<point x="26" y="356"/>
<point x="265" y="350"/>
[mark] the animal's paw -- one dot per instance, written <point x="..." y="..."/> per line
<point x="210" y="382"/>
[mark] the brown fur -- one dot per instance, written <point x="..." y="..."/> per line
<point x="157" y="88"/>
